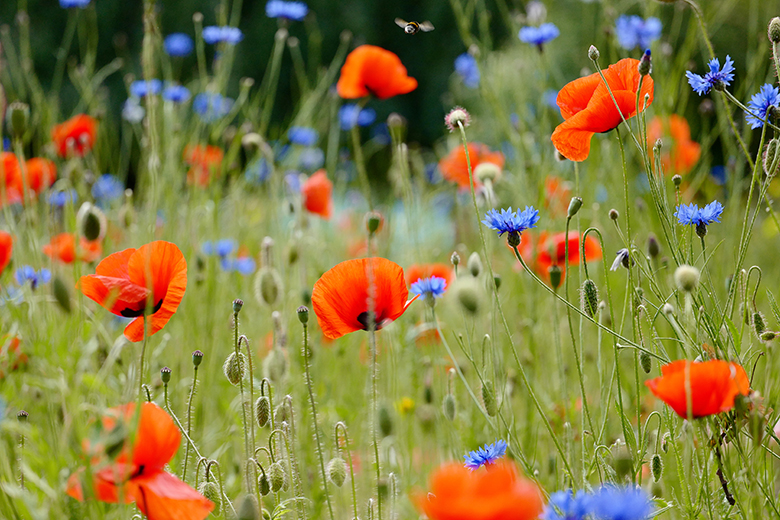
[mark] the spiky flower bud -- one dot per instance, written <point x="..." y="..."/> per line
<point x="489" y="398"/>
<point x="263" y="484"/>
<point x="277" y="476"/>
<point x="665" y="440"/>
<point x="456" y="116"/>
<point x="657" y="466"/>
<point x="646" y="361"/>
<point x="303" y="314"/>
<point x="768" y="336"/>
<point x="268" y="286"/>
<point x="613" y="214"/>
<point x="262" y="410"/>
<point x="210" y="490"/>
<point x="234" y="368"/>
<point x="455" y="258"/>
<point x="687" y="278"/>
<point x="593" y="53"/>
<point x="645" y="64"/>
<point x="337" y="471"/>
<point x="474" y="264"/>
<point x="17" y="118"/>
<point x="771" y="157"/>
<point x="677" y="180"/>
<point x="22" y="416"/>
<point x="449" y="407"/>
<point x="165" y="375"/>
<point x="574" y="206"/>
<point x="759" y="324"/>
<point x="385" y="421"/>
<point x="281" y="414"/>
<point x="774" y="30"/>
<point x="197" y="357"/>
<point x="237" y="305"/>
<point x="589" y="297"/>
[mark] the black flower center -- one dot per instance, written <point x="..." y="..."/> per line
<point x="135" y="313"/>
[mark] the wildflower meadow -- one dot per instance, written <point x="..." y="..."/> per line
<point x="247" y="274"/>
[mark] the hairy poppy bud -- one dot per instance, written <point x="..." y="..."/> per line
<point x="197" y="357"/>
<point x="455" y="258"/>
<point x="165" y="375"/>
<point x="657" y="467"/>
<point x="374" y="221"/>
<point x="210" y="490"/>
<point x="91" y="222"/>
<point x="233" y="368"/>
<point x="262" y="410"/>
<point x="593" y="53"/>
<point x="774" y="30"/>
<point x="556" y="276"/>
<point x="759" y="324"/>
<point x="263" y="484"/>
<point x="385" y="421"/>
<point x="277" y="476"/>
<point x="469" y="293"/>
<point x="613" y="214"/>
<point x="275" y="365"/>
<point x="771" y="158"/>
<point x="449" y="407"/>
<point x="489" y="398"/>
<point x="589" y="297"/>
<point x="646" y="361"/>
<point x="768" y="336"/>
<point x="281" y="414"/>
<point x="237" y="305"/>
<point x="337" y="471"/>
<point x="268" y="286"/>
<point x="61" y="294"/>
<point x="247" y="508"/>
<point x="474" y="264"/>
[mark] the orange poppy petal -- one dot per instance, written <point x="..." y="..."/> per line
<point x="41" y="173"/>
<point x="373" y="70"/>
<point x="158" y="438"/>
<point x="574" y="97"/>
<point x="162" y="496"/>
<point x="6" y="249"/>
<point x="119" y="295"/>
<point x="316" y="192"/>
<point x="62" y="247"/>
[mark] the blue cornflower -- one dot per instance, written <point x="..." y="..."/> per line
<point x="221" y="248"/>
<point x="717" y="76"/>
<point x="258" y="171"/>
<point x="215" y="34"/>
<point x="768" y="96"/>
<point x="691" y="214"/>
<point x="107" y="188"/>
<point x="351" y="114"/>
<point x="132" y="111"/>
<point x="302" y="135"/>
<point x="244" y="265"/>
<point x="565" y="505"/>
<point x="623" y="257"/>
<point x="512" y="223"/>
<point x="467" y="69"/>
<point x="58" y="199"/>
<point x="211" y="107"/>
<point x="539" y="35"/>
<point x="6" y="144"/>
<point x="311" y="159"/>
<point x="433" y="286"/>
<point x="67" y="4"/>
<point x="178" y="44"/>
<point x="719" y="174"/>
<point x="176" y="93"/>
<point x="621" y="503"/>
<point x="27" y="274"/>
<point x="487" y="454"/>
<point x="289" y="10"/>
<point x="144" y="88"/>
<point x="633" y="31"/>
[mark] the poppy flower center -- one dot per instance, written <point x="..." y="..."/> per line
<point x="128" y="312"/>
<point x="363" y="320"/>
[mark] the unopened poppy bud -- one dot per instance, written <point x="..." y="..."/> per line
<point x="197" y="357"/>
<point x="657" y="467"/>
<point x="574" y="206"/>
<point x="653" y="247"/>
<point x="469" y="294"/>
<point x="22" y="416"/>
<point x="396" y="120"/>
<point x="646" y="361"/>
<point x="268" y="286"/>
<point x="487" y="171"/>
<point x="281" y="414"/>
<point x="61" y="294"/>
<point x="91" y="222"/>
<point x="385" y="421"/>
<point x="771" y="158"/>
<point x="497" y="281"/>
<point x="210" y="490"/>
<point x="303" y="314"/>
<point x="165" y="375"/>
<point x="474" y="264"/>
<point x="665" y="440"/>
<point x="759" y="324"/>
<point x="262" y="410"/>
<point x="17" y="118"/>
<point x="489" y="398"/>
<point x="645" y="64"/>
<point x="756" y="425"/>
<point x="589" y="297"/>
<point x="374" y="222"/>
<point x="774" y="30"/>
<point x="687" y="278"/>
<point x="768" y="336"/>
<point x="263" y="484"/>
<point x="556" y="276"/>
<point x="247" y="508"/>
<point x="677" y="180"/>
<point x="337" y="471"/>
<point x="233" y="368"/>
<point x="593" y="53"/>
<point x="277" y="476"/>
<point x="449" y="407"/>
<point x="275" y="365"/>
<point x="668" y="310"/>
<point x="455" y="258"/>
<point x="456" y="117"/>
<point x="613" y="214"/>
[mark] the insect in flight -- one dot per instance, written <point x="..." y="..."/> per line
<point x="414" y="27"/>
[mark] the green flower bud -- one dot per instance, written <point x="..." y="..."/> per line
<point x="556" y="276"/>
<point x="455" y="258"/>
<point x="768" y="336"/>
<point x="262" y="410"/>
<point x="449" y="407"/>
<point x="91" y="222"/>
<point x="17" y="118"/>
<point x="770" y="155"/>
<point x="165" y="375"/>
<point x="657" y="466"/>
<point x="275" y="365"/>
<point x="61" y="294"/>
<point x="646" y="361"/>
<point x="374" y="221"/>
<point x="489" y="398"/>
<point x="281" y="414"/>
<point x="593" y="53"/>
<point x="687" y="278"/>
<point x="210" y="490"/>
<point x="268" y="286"/>
<point x="574" y="206"/>
<point x="653" y="247"/>
<point x="589" y="297"/>
<point x="774" y="30"/>
<point x="197" y="357"/>
<point x="303" y="314"/>
<point x="277" y="476"/>
<point x="263" y="484"/>
<point x="237" y="305"/>
<point x="337" y="471"/>
<point x="385" y="421"/>
<point x="759" y="324"/>
<point x="474" y="264"/>
<point x="469" y="293"/>
<point x="234" y="368"/>
<point x="247" y="508"/>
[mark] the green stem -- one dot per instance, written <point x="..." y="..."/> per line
<point x="237" y="351"/>
<point x="189" y="422"/>
<point x="360" y="164"/>
<point x="351" y="467"/>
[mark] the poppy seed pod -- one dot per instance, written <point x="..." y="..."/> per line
<point x="237" y="305"/>
<point x="210" y="490"/>
<point x="165" y="375"/>
<point x="22" y="416"/>
<point x="233" y="368"/>
<point x="197" y="357"/>
<point x="337" y="471"/>
<point x="303" y="314"/>
<point x="262" y="410"/>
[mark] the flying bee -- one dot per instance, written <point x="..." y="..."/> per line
<point x="414" y="27"/>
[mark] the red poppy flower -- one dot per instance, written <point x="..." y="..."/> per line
<point x="373" y="70"/>
<point x="316" y="193"/>
<point x="11" y="178"/>
<point x="557" y="195"/>
<point x="76" y="135"/>
<point x="496" y="493"/>
<point x="713" y="386"/>
<point x="679" y="154"/>
<point x="340" y="296"/>
<point x="588" y="108"/>
<point x="41" y="173"/>
<point x="120" y="285"/>
<point x="6" y="249"/>
<point x="63" y="248"/>
<point x="11" y="357"/>
<point x="417" y="271"/>
<point x="454" y="167"/>
<point x="205" y="161"/>
<point x="551" y="250"/>
<point x="137" y="474"/>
